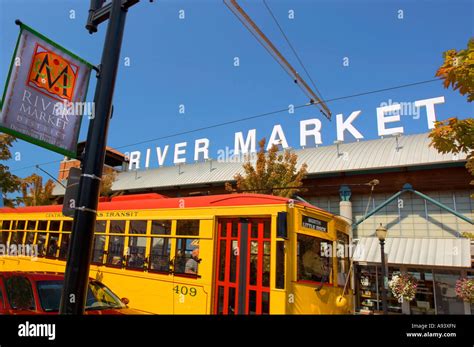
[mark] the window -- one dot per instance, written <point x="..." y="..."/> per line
<point x="5" y="226"/>
<point x="136" y="255"/>
<point x="314" y="259"/>
<point x="20" y="293"/>
<point x="30" y="238"/>
<point x="280" y="265"/>
<point x="160" y="254"/>
<point x="161" y="227"/>
<point x="187" y="227"/>
<point x="115" y="253"/>
<point x="53" y="245"/>
<point x="100" y="226"/>
<point x="187" y="256"/>
<point x="98" y="296"/>
<point x="54" y="225"/>
<point x="30" y="235"/>
<point x="17" y="237"/>
<point x="138" y="226"/>
<point x="18" y="228"/>
<point x="67" y="225"/>
<point x="43" y="225"/>
<point x="342" y="254"/>
<point x="63" y="250"/>
<point x="117" y="227"/>
<point x="98" y="251"/>
<point x="40" y="241"/>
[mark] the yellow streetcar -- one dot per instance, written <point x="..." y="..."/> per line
<point x="220" y="254"/>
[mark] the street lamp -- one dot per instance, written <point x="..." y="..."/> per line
<point x="381" y="233"/>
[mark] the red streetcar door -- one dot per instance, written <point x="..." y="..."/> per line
<point x="243" y="267"/>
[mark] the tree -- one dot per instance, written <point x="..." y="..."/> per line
<point x="106" y="183"/>
<point x="34" y="193"/>
<point x="9" y="183"/>
<point x="453" y="135"/>
<point x="458" y="70"/>
<point x="272" y="171"/>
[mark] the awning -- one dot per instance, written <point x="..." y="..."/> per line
<point x="450" y="252"/>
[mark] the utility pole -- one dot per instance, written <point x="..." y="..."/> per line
<point x="76" y="279"/>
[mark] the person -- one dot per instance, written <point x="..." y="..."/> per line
<point x="312" y="263"/>
<point x="53" y="247"/>
<point x="192" y="264"/>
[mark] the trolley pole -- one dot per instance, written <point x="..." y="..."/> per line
<point x="80" y="247"/>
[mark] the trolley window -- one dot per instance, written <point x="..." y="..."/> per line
<point x="115" y="253"/>
<point x="117" y="227"/>
<point x="100" y="226"/>
<point x="187" y="227"/>
<point x="161" y="227"/>
<point x="63" y="250"/>
<point x="136" y="256"/>
<point x="314" y="259"/>
<point x="342" y="253"/>
<point x="54" y="225"/>
<point x="138" y="226"/>
<point x="98" y="251"/>
<point x="187" y="256"/>
<point x="160" y="254"/>
<point x="40" y="241"/>
<point x="67" y="225"/>
<point x="53" y="245"/>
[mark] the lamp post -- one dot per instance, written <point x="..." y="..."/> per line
<point x="381" y="233"/>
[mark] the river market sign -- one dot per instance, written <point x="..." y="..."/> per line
<point x="310" y="133"/>
<point x="44" y="84"/>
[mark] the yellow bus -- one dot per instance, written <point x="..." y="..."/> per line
<point x="219" y="254"/>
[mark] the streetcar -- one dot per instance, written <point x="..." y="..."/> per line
<point x="216" y="254"/>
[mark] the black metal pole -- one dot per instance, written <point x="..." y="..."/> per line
<point x="80" y="248"/>
<point x="384" y="279"/>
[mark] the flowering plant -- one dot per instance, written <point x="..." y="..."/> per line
<point x="403" y="287"/>
<point x="465" y="289"/>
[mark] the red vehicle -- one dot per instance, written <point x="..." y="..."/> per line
<point x="40" y="293"/>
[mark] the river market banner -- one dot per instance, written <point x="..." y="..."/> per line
<point x="44" y="97"/>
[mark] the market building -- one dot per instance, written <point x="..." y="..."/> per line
<point x="421" y="196"/>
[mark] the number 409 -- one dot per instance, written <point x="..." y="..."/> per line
<point x="185" y="290"/>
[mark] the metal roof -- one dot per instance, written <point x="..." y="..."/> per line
<point x="412" y="150"/>
<point x="452" y="252"/>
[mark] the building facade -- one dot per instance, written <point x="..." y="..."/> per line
<point x="422" y="197"/>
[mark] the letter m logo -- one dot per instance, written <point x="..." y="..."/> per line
<point x="51" y="74"/>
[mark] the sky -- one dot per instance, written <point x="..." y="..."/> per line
<point x="347" y="46"/>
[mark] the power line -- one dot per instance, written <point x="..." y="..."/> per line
<point x="383" y="90"/>
<point x="214" y="126"/>
<point x="251" y="117"/>
<point x="292" y="48"/>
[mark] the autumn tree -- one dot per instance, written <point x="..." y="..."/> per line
<point x="9" y="183"/>
<point x="454" y="135"/>
<point x="34" y="193"/>
<point x="274" y="173"/>
<point x="106" y="183"/>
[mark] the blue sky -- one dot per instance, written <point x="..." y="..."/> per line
<point x="190" y="61"/>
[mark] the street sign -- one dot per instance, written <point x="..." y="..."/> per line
<point x="72" y="191"/>
<point x="44" y="97"/>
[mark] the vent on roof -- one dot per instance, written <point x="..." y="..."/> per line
<point x="146" y="196"/>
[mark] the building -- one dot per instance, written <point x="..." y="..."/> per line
<point x="421" y="196"/>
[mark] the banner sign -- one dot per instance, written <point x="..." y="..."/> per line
<point x="45" y="85"/>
